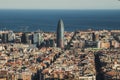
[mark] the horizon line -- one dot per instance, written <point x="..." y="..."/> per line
<point x="59" y="9"/>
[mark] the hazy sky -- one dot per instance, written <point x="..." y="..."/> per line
<point x="59" y="4"/>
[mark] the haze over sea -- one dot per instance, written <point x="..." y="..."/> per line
<point x="46" y="20"/>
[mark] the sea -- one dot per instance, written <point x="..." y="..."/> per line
<point x="47" y="20"/>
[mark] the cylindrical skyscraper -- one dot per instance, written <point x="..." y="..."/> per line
<point x="60" y="34"/>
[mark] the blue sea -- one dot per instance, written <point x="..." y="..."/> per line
<point x="46" y="20"/>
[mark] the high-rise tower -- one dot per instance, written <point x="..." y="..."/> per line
<point x="5" y="37"/>
<point x="60" y="34"/>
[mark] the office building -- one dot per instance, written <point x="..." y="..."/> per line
<point x="60" y="34"/>
<point x="5" y="37"/>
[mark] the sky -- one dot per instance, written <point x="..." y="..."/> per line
<point x="59" y="4"/>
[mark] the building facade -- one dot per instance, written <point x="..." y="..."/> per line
<point x="60" y="34"/>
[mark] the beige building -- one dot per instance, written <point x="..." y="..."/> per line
<point x="104" y="44"/>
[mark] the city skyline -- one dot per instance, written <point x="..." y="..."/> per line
<point x="59" y="4"/>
